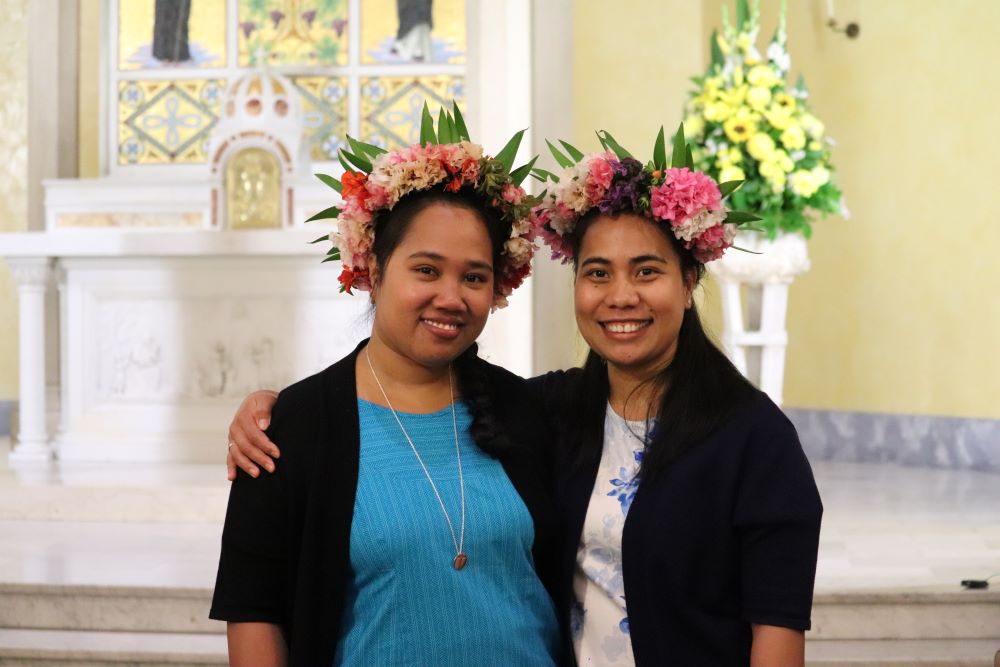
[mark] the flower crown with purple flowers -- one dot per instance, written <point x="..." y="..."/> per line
<point x="374" y="181"/>
<point x="687" y="201"/>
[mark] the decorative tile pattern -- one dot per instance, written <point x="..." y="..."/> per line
<point x="391" y="106"/>
<point x="293" y="32"/>
<point x="910" y="440"/>
<point x="324" y="106"/>
<point x="166" y="122"/>
<point x="13" y="115"/>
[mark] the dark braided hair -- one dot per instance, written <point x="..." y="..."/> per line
<point x="702" y="388"/>
<point x="470" y="372"/>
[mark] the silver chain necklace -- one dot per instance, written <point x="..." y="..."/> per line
<point x="460" y="558"/>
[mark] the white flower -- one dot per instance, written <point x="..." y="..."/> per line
<point x="694" y="226"/>
<point x="777" y="54"/>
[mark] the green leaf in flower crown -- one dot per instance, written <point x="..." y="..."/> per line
<point x="718" y="59"/>
<point x="688" y="158"/>
<point x="444" y="136"/>
<point x="362" y="149"/>
<point x="729" y="187"/>
<point x="574" y="152"/>
<point x="542" y="175"/>
<point x="610" y="142"/>
<point x="427" y="135"/>
<point x="322" y="238"/>
<point x="509" y="152"/>
<point x="561" y="159"/>
<point x="359" y="152"/>
<point x="752" y="252"/>
<point x="343" y="163"/>
<point x="660" y="152"/>
<point x="359" y="162"/>
<point x="736" y="217"/>
<point x="326" y="214"/>
<point x="332" y="258"/>
<point x="334" y="250"/>
<point x="463" y="132"/>
<point x="330" y="181"/>
<point x="518" y="175"/>
<point x="679" y="157"/>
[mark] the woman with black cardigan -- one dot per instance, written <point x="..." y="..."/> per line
<point x="690" y="517"/>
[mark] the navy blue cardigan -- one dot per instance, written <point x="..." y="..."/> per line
<point x="725" y="537"/>
<point x="285" y="545"/>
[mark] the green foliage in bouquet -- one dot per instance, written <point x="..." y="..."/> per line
<point x="746" y="123"/>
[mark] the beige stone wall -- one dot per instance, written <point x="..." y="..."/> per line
<point x="13" y="171"/>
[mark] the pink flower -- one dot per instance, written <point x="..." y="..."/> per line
<point x="598" y="179"/>
<point x="512" y="194"/>
<point x="684" y="193"/>
<point x="710" y="244"/>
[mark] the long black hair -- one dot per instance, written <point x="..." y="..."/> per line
<point x="390" y="228"/>
<point x="700" y="387"/>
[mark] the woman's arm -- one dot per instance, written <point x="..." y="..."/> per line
<point x="249" y="447"/>
<point x="777" y="647"/>
<point x="256" y="645"/>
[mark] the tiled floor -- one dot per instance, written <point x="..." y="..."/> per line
<point x="885" y="527"/>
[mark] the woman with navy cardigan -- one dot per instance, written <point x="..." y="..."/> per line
<point x="689" y="514"/>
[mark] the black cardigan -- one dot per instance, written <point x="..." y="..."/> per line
<point x="725" y="537"/>
<point x="285" y="545"/>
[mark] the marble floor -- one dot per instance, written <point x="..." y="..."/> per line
<point x="885" y="527"/>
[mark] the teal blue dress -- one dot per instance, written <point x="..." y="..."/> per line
<point x="405" y="602"/>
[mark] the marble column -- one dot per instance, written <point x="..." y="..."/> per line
<point x="32" y="276"/>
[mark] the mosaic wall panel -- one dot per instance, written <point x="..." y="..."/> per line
<point x="293" y="32"/>
<point x="418" y="31"/>
<point x="324" y="105"/>
<point x="166" y="122"/>
<point x="152" y="35"/>
<point x="391" y="106"/>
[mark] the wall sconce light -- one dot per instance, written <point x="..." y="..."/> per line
<point x="852" y="29"/>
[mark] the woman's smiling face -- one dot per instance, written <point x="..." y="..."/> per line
<point x="630" y="293"/>
<point x="434" y="296"/>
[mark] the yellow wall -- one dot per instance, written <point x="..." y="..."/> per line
<point x="88" y="85"/>
<point x="13" y="171"/>
<point x="901" y="311"/>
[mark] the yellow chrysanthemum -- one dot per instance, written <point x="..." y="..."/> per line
<point x="738" y="75"/>
<point x="812" y="125"/>
<point x="717" y="112"/>
<point x="762" y="75"/>
<point x="821" y="174"/>
<point x="731" y="173"/>
<point x="804" y="183"/>
<point x="739" y="128"/>
<point x="785" y="101"/>
<point x="761" y="147"/>
<point x="777" y="181"/>
<point x="744" y="42"/>
<point x="733" y="155"/>
<point x="783" y="161"/>
<point x="694" y="126"/>
<point x="793" y="138"/>
<point x="758" y="97"/>
<point x="778" y="117"/>
<point x="734" y="97"/>
<point x="815" y="146"/>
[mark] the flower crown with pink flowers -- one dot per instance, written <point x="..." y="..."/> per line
<point x="375" y="180"/>
<point x="689" y="202"/>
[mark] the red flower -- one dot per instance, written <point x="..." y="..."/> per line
<point x="353" y="183"/>
<point x="346" y="279"/>
<point x="454" y="185"/>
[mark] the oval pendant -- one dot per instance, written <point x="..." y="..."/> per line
<point x="460" y="561"/>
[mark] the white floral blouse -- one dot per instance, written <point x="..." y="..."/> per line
<point x="600" y="620"/>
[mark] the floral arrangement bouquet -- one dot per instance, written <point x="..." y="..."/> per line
<point x="746" y="123"/>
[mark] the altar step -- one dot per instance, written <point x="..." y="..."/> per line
<point x="42" y="624"/>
